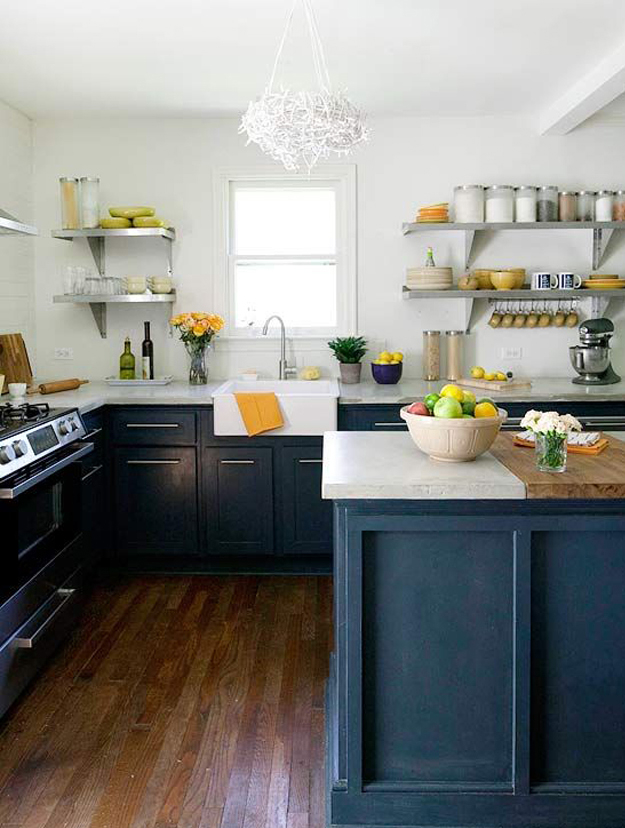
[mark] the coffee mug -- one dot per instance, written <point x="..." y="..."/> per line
<point x="569" y="281"/>
<point x="544" y="281"/>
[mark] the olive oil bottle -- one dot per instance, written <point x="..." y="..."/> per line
<point x="127" y="362"/>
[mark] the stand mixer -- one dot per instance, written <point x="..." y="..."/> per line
<point x="591" y="359"/>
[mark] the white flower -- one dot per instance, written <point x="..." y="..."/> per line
<point x="546" y="422"/>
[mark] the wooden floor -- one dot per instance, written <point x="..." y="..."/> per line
<point x="194" y="702"/>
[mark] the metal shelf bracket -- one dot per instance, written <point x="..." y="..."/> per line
<point x="598" y="306"/>
<point x="98" y="309"/>
<point x="96" y="246"/>
<point x="600" y="242"/>
<point x="169" y="248"/>
<point x="469" y="240"/>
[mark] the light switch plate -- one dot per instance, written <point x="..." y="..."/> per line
<point x="64" y="353"/>
<point x="512" y="353"/>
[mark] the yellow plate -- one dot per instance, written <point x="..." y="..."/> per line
<point x="609" y="284"/>
<point x="115" y="223"/>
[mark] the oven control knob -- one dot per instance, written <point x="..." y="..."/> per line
<point x="7" y="453"/>
<point x="20" y="448"/>
<point x="63" y="427"/>
<point x="73" y="425"/>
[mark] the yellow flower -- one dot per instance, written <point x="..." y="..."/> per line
<point x="175" y="320"/>
<point x="198" y="330"/>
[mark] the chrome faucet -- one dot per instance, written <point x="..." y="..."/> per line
<point x="284" y="371"/>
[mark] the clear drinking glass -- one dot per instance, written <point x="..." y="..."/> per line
<point x="551" y="452"/>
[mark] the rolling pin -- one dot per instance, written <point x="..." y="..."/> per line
<point x="60" y="385"/>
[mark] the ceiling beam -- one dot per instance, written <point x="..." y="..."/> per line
<point x="591" y="93"/>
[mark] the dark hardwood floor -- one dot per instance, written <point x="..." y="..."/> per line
<point x="194" y="702"/>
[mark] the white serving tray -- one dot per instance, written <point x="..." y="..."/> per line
<point x="157" y="381"/>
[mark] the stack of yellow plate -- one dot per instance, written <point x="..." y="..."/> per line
<point x="601" y="281"/>
<point x="433" y="213"/>
<point x="429" y="278"/>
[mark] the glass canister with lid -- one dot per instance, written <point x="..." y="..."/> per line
<point x="567" y="203"/>
<point x="70" y="204"/>
<point x="547" y="203"/>
<point x="618" y="211"/>
<point x="469" y="204"/>
<point x="454" y="354"/>
<point x="525" y="203"/>
<point x="586" y="205"/>
<point x="431" y="355"/>
<point x="89" y="202"/>
<point x="499" y="203"/>
<point x="604" y="204"/>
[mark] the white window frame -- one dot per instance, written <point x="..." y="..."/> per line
<point x="343" y="178"/>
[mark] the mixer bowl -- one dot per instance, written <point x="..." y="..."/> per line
<point x="589" y="359"/>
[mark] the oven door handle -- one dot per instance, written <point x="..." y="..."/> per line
<point x="30" y="642"/>
<point x="82" y="450"/>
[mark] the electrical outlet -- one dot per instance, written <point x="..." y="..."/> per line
<point x="512" y="353"/>
<point x="63" y="353"/>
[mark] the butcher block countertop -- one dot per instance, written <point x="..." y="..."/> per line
<point x="600" y="477"/>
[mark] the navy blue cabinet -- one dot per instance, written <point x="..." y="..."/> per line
<point x="155" y="496"/>
<point x="238" y="500"/>
<point x="95" y="514"/>
<point x="306" y="517"/>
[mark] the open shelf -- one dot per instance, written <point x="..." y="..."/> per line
<point x="97" y="237"/>
<point x="9" y="225"/>
<point x="98" y="302"/>
<point x="601" y="233"/>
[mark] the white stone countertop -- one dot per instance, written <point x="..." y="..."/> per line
<point x="361" y="465"/>
<point x="96" y="394"/>
<point x="545" y="388"/>
<point x="179" y="392"/>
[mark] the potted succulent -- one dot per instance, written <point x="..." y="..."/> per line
<point x="349" y="351"/>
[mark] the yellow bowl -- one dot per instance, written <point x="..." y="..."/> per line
<point x="483" y="278"/>
<point x="503" y="280"/>
<point x="131" y="212"/>
<point x="453" y="440"/>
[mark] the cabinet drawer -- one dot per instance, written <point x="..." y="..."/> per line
<point x="153" y="427"/>
<point x="371" y="418"/>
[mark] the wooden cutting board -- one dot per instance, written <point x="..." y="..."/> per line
<point x="14" y="361"/>
<point x="494" y="385"/>
<point x="585" y="477"/>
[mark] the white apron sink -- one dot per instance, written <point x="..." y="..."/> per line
<point x="309" y="408"/>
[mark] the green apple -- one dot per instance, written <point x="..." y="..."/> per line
<point x="448" y="408"/>
<point x="468" y="417"/>
<point x="468" y="407"/>
<point x="486" y="399"/>
<point x="431" y="400"/>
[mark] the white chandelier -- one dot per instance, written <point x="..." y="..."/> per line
<point x="301" y="127"/>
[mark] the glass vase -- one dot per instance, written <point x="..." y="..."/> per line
<point x="198" y="372"/>
<point x="551" y="452"/>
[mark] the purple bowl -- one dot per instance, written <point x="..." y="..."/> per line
<point x="387" y="374"/>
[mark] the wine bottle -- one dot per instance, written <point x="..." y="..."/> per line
<point x="127" y="362"/>
<point x="429" y="260"/>
<point x="147" y="354"/>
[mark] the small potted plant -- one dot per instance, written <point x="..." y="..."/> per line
<point x="349" y="351"/>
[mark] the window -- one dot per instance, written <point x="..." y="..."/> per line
<point x="288" y="248"/>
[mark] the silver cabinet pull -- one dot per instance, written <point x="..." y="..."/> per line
<point x="91" y="472"/>
<point x="152" y="425"/>
<point x="309" y="461"/>
<point x="237" y="462"/>
<point x="152" y="462"/>
<point x="92" y="433"/>
<point x="30" y="642"/>
<point x="393" y="425"/>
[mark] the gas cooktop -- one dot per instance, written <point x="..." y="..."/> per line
<point x="14" y="417"/>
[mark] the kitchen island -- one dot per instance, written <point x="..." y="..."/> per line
<point x="478" y="675"/>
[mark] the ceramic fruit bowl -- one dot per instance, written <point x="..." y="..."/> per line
<point x="387" y="374"/>
<point x="503" y="280"/>
<point x="453" y="440"/>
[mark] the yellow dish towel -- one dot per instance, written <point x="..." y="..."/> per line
<point x="260" y="412"/>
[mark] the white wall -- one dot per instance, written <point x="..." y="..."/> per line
<point x="16" y="252"/>
<point x="409" y="161"/>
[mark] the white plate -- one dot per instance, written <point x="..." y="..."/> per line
<point x="157" y="381"/>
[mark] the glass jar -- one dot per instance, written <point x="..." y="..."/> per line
<point x="618" y="211"/>
<point x="90" y="202"/>
<point x="525" y="204"/>
<point x="454" y="354"/>
<point x="469" y="204"/>
<point x="604" y="205"/>
<point x="431" y="355"/>
<point x="586" y="205"/>
<point x="551" y="452"/>
<point x="499" y="203"/>
<point x="70" y="204"/>
<point x="567" y="204"/>
<point x="547" y="203"/>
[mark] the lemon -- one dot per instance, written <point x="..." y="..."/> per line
<point x="468" y="396"/>
<point x="485" y="409"/>
<point x="500" y="376"/>
<point x="453" y="391"/>
<point x="489" y="377"/>
<point x="477" y="372"/>
<point x="382" y="361"/>
<point x="398" y="356"/>
<point x="394" y="362"/>
<point x="385" y="355"/>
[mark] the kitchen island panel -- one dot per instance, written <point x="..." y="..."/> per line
<point x="437" y="660"/>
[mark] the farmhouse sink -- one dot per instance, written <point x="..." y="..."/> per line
<point x="308" y="407"/>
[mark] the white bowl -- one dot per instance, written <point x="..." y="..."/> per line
<point x="453" y="440"/>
